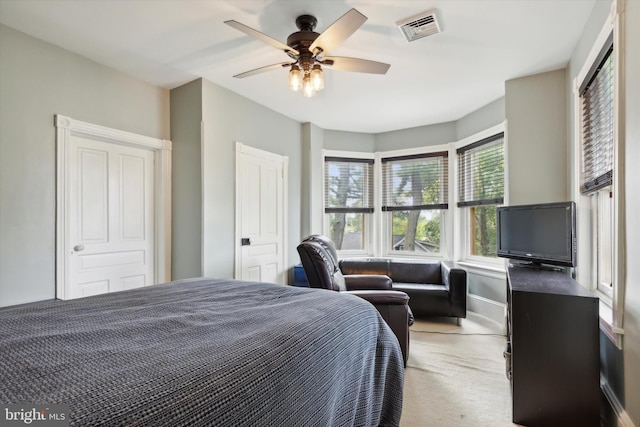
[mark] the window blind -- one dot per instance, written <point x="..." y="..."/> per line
<point x="481" y="172"/>
<point x="596" y="96"/>
<point x="348" y="185"/>
<point x="415" y="182"/>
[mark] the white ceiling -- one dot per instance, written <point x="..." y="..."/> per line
<point x="432" y="80"/>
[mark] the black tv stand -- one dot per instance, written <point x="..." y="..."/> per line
<point x="552" y="353"/>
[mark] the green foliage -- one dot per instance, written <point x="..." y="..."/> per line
<point x="418" y="183"/>
<point x="484" y="231"/>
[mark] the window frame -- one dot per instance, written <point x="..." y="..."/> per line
<point x="385" y="219"/>
<point x="369" y="221"/>
<point x="611" y="303"/>
<point x="463" y="213"/>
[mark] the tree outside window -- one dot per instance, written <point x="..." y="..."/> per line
<point x="481" y="189"/>
<point x="415" y="192"/>
<point x="348" y="200"/>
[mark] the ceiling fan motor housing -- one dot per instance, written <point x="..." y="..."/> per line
<point x="301" y="40"/>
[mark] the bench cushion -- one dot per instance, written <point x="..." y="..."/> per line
<point x="415" y="272"/>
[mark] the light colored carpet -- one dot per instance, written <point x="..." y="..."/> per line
<point x="455" y="375"/>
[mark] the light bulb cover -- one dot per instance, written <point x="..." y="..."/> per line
<point x="307" y="87"/>
<point x="295" y="78"/>
<point x="317" y="77"/>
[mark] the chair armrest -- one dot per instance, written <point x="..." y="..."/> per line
<point x="356" y="282"/>
<point x="393" y="306"/>
<point x="455" y="279"/>
<point x="382" y="297"/>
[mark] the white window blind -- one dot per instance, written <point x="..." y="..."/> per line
<point x="481" y="172"/>
<point x="348" y="185"/>
<point x="596" y="95"/>
<point x="415" y="182"/>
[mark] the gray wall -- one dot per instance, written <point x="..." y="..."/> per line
<point x="186" y="179"/>
<point x="537" y="138"/>
<point x="208" y="122"/>
<point x="486" y="117"/>
<point x="227" y="118"/>
<point x="441" y="133"/>
<point x="39" y="80"/>
<point x="311" y="198"/>
<point x="349" y="141"/>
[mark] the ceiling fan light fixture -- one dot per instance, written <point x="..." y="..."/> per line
<point x="295" y="78"/>
<point x="307" y="49"/>
<point x="317" y="77"/>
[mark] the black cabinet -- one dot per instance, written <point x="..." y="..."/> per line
<point x="552" y="353"/>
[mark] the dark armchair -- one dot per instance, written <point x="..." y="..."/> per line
<point x="320" y="263"/>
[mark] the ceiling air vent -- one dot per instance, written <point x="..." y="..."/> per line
<point x="419" y="26"/>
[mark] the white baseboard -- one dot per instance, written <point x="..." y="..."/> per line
<point x="623" y="419"/>
<point x="487" y="308"/>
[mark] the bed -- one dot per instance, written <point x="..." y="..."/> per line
<point x="205" y="352"/>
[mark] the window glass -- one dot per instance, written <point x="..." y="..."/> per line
<point x="416" y="231"/>
<point x="415" y="195"/>
<point x="483" y="231"/>
<point x="347" y="230"/>
<point x="481" y="191"/>
<point x="603" y="202"/>
<point x="348" y="201"/>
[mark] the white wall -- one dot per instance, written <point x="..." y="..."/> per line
<point x="37" y="81"/>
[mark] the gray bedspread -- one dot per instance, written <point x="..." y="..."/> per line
<point x="205" y="352"/>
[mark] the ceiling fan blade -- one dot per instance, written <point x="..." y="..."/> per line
<point x="261" y="36"/>
<point x="263" y="70"/>
<point x="339" y="31"/>
<point x="356" y="65"/>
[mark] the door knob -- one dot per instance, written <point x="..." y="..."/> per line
<point x="78" y="248"/>
<point x="245" y="241"/>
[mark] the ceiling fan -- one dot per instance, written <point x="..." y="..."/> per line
<point x="307" y="50"/>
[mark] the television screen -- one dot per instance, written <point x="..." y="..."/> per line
<point x="542" y="233"/>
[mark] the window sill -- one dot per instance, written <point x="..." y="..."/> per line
<point x="607" y="325"/>
<point x="490" y="270"/>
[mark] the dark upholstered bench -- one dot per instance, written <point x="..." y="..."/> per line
<point x="434" y="288"/>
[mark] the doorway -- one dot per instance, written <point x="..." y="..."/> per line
<point x="113" y="209"/>
<point x="261" y="208"/>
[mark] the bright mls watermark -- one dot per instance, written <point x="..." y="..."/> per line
<point x="34" y="415"/>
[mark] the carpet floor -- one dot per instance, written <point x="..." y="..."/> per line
<point x="455" y="375"/>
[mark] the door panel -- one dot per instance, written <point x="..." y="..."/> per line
<point x="110" y="217"/>
<point x="93" y="202"/>
<point x="132" y="188"/>
<point x="260" y="195"/>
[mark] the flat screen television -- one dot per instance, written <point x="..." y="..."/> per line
<point x="541" y="234"/>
